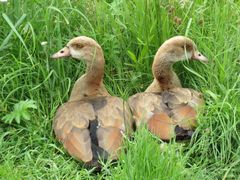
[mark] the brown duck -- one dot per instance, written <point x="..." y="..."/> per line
<point x="165" y="107"/>
<point x="91" y="123"/>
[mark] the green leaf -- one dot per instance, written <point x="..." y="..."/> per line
<point x="21" y="111"/>
<point x="17" y="118"/>
<point x="8" y="118"/>
<point x="213" y="95"/>
<point x="26" y="115"/>
<point x="132" y="56"/>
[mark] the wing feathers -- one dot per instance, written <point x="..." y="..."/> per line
<point x="162" y="112"/>
<point x="110" y="139"/>
<point x="78" y="144"/>
<point x="161" y="125"/>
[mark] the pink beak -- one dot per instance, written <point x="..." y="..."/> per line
<point x="64" y="52"/>
<point x="198" y="56"/>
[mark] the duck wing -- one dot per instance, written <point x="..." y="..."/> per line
<point x="71" y="128"/>
<point x="183" y="106"/>
<point x="114" y="120"/>
<point x="167" y="114"/>
<point x="93" y="127"/>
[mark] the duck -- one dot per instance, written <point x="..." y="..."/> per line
<point x="166" y="108"/>
<point x="91" y="125"/>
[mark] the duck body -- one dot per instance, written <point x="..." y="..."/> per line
<point x="169" y="113"/>
<point x="92" y="123"/>
<point x="92" y="126"/>
<point x="165" y="107"/>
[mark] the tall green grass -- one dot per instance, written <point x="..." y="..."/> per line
<point x="130" y="32"/>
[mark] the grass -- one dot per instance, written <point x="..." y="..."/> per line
<point x="130" y="32"/>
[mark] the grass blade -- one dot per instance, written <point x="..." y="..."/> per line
<point x="18" y="35"/>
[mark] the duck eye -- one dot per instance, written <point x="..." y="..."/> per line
<point x="62" y="51"/>
<point x="199" y="54"/>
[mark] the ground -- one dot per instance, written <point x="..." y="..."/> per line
<point x="130" y="32"/>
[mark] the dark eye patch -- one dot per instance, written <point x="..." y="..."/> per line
<point x="187" y="46"/>
<point x="77" y="46"/>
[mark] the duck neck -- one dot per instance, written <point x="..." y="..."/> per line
<point x="91" y="83"/>
<point x="95" y="70"/>
<point x="163" y="72"/>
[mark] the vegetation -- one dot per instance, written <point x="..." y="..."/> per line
<point x="130" y="32"/>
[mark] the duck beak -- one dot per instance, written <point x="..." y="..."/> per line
<point x="199" y="57"/>
<point x="64" y="52"/>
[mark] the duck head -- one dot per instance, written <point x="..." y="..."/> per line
<point x="179" y="48"/>
<point x="81" y="47"/>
